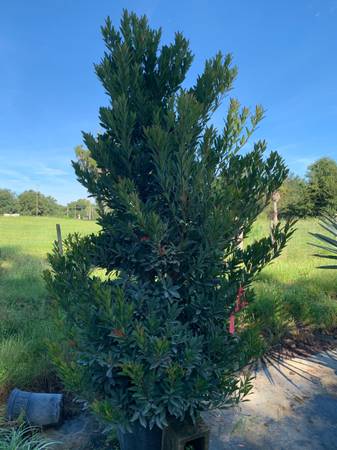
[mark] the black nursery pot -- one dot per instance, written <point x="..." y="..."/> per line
<point x="141" y="438"/>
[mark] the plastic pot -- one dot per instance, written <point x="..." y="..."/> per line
<point x="37" y="409"/>
<point x="141" y="438"/>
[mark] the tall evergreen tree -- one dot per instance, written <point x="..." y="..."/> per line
<point x="322" y="185"/>
<point x="153" y="340"/>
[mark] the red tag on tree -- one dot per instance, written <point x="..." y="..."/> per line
<point x="240" y="303"/>
<point x="232" y="323"/>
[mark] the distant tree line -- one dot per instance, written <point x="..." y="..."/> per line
<point x="310" y="196"/>
<point x="300" y="197"/>
<point x="34" y="203"/>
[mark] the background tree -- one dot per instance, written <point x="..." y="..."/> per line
<point x="50" y="207"/>
<point x="33" y="203"/>
<point x="294" y="198"/>
<point x="84" y="159"/>
<point x="30" y="203"/>
<point x="82" y="208"/>
<point x="8" y="202"/>
<point x="153" y="340"/>
<point x="322" y="185"/>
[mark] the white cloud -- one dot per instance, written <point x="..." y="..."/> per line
<point x="306" y="161"/>
<point x="50" y="171"/>
<point x="55" y="178"/>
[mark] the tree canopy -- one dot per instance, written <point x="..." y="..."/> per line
<point x="8" y="202"/>
<point x="152" y="340"/>
<point x="34" y="203"/>
<point x="294" y="198"/>
<point x="322" y="185"/>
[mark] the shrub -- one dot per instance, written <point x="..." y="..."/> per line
<point x="152" y="341"/>
<point x="280" y="311"/>
<point x="267" y="320"/>
<point x="253" y="344"/>
<point x="295" y="200"/>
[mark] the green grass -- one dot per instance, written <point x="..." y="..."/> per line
<point x="290" y="293"/>
<point x="25" y="321"/>
<point x="35" y="235"/>
<point x="297" y="264"/>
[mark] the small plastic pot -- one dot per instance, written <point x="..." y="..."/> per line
<point x="37" y="409"/>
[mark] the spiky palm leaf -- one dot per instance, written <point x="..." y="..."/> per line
<point x="329" y="224"/>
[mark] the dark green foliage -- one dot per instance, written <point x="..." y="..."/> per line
<point x="310" y="197"/>
<point x="266" y="321"/>
<point x="150" y="338"/>
<point x="329" y="242"/>
<point x="294" y="198"/>
<point x="8" y="202"/>
<point x="322" y="185"/>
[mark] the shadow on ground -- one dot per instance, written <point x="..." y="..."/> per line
<point x="293" y="406"/>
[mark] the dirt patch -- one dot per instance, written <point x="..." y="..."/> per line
<point x="293" y="406"/>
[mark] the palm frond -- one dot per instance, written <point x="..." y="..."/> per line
<point x="328" y="223"/>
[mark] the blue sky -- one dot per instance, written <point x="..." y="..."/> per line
<point x="285" y="51"/>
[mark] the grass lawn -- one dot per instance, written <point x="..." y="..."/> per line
<point x="35" y="235"/>
<point x="292" y="294"/>
<point x="297" y="263"/>
<point x="25" y="322"/>
<point x="290" y="291"/>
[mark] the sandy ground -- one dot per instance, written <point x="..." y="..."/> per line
<point x="293" y="406"/>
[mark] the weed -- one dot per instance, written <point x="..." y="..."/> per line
<point x="23" y="438"/>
